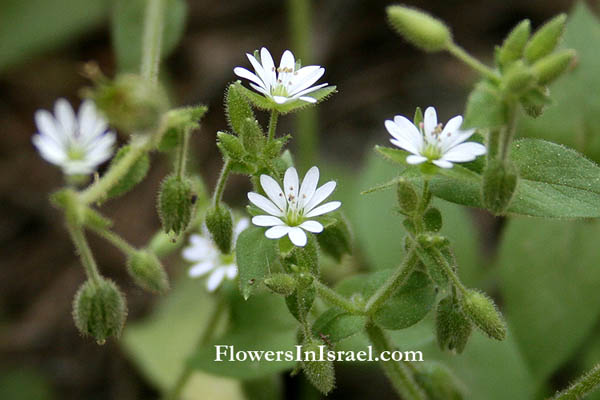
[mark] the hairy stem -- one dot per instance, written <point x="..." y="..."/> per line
<point x="509" y="131"/>
<point x="472" y="62"/>
<point x="152" y="39"/>
<point x="399" y="375"/>
<point x="220" y="188"/>
<point x="582" y="386"/>
<point x="84" y="251"/>
<point x="272" y="125"/>
<point x="205" y="337"/>
<point x="434" y="255"/>
<point x="114" y="239"/>
<point x="182" y="154"/>
<point x="393" y="283"/>
<point x="336" y="299"/>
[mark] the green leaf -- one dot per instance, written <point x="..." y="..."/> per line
<point x="336" y="238"/>
<point x="550" y="265"/>
<point x="406" y="307"/>
<point x="128" y="27"/>
<point x="255" y="255"/>
<point x="335" y="325"/>
<point x="301" y="301"/>
<point x="135" y="175"/>
<point x="485" y="107"/>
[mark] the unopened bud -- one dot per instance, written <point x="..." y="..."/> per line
<point x="432" y="219"/>
<point x="483" y="313"/>
<point x="230" y="146"/>
<point x="319" y="373"/>
<point x="147" y="271"/>
<point x="131" y="103"/>
<point x="99" y="310"/>
<point x="237" y="108"/>
<point x="499" y="185"/>
<point x="407" y="197"/>
<point x="552" y="66"/>
<point x="419" y="28"/>
<point x="518" y="78"/>
<point x="280" y="283"/>
<point x="175" y="204"/>
<point x="220" y="225"/>
<point x="512" y="47"/>
<point x="545" y="39"/>
<point x="452" y="326"/>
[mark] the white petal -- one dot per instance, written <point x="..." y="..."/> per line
<point x="308" y="187"/>
<point x="309" y="90"/>
<point x="231" y="271"/>
<point x="244" y="73"/>
<point x="325" y="208"/>
<point x="87" y="117"/>
<point x="312" y="226"/>
<point x="297" y="236"/>
<point x="286" y="69"/>
<point x="406" y="135"/>
<point x="455" y="138"/>
<point x="430" y="121"/>
<point x="281" y="99"/>
<point x="442" y="163"/>
<point x="277" y="231"/>
<point x="266" y="220"/>
<point x="49" y="149"/>
<point x="308" y="99"/>
<point x="465" y="152"/>
<point x="268" y="66"/>
<point x="453" y="125"/>
<point x="200" y="269"/>
<point x="273" y="191"/>
<point x="215" y="279"/>
<point x="304" y="78"/>
<point x="47" y="126"/>
<point x="320" y="194"/>
<point x="415" y="159"/>
<point x="291" y="183"/>
<point x="260" y="89"/>
<point x="260" y="71"/>
<point x="264" y="204"/>
<point x="65" y="115"/>
<point x="240" y="227"/>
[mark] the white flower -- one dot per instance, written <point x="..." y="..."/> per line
<point x="76" y="143"/>
<point x="430" y="142"/>
<point x="285" y="83"/>
<point x="207" y="258"/>
<point x="290" y="209"/>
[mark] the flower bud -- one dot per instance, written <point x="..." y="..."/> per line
<point x="419" y="28"/>
<point x="319" y="373"/>
<point x="483" y="313"/>
<point x="99" y="310"/>
<point x="175" y="204"/>
<point x="545" y="39"/>
<point x="438" y="382"/>
<point x="432" y="218"/>
<point x="220" y="226"/>
<point x="552" y="66"/>
<point x="499" y="184"/>
<point x="279" y="283"/>
<point x="230" y="146"/>
<point x="237" y="108"/>
<point x="131" y="103"/>
<point x="518" y="78"/>
<point x="147" y="271"/>
<point x="452" y="326"/>
<point x="512" y="47"/>
<point x="136" y="173"/>
<point x="407" y="197"/>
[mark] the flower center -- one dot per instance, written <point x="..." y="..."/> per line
<point x="227" y="259"/>
<point x="284" y="80"/>
<point x="75" y="154"/>
<point x="295" y="214"/>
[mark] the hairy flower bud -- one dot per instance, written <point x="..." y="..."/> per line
<point x="131" y="103"/>
<point x="518" y="78"/>
<point x="175" y="204"/>
<point x="220" y="226"/>
<point x="279" y="283"/>
<point x="99" y="310"/>
<point x="545" y="39"/>
<point x="499" y="184"/>
<point x="483" y="313"/>
<point x="319" y="373"/>
<point x="552" y="66"/>
<point x="512" y="47"/>
<point x="452" y="326"/>
<point x="147" y="271"/>
<point x="419" y="28"/>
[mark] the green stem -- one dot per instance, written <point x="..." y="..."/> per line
<point x="205" y="337"/>
<point x="272" y="125"/>
<point x="394" y="282"/>
<point x="220" y="188"/>
<point x="96" y="191"/>
<point x="152" y="40"/>
<point x="336" y="299"/>
<point x="493" y="144"/>
<point x="399" y="375"/>
<point x="471" y="61"/>
<point x="182" y="155"/>
<point x="85" y="253"/>
<point x="114" y="239"/>
<point x="582" y="386"/>
<point x="509" y="131"/>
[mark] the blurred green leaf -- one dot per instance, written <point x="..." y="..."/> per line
<point x="574" y="119"/>
<point x="128" y="27"/>
<point x="25" y="384"/>
<point x="550" y="278"/>
<point x="255" y="255"/>
<point x="31" y="27"/>
<point x="336" y="325"/>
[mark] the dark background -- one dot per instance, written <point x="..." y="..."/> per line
<point x="377" y="75"/>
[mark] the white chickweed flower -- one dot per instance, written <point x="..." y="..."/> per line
<point x="431" y="143"/>
<point x="285" y="83"/>
<point x="76" y="143"/>
<point x="292" y="208"/>
<point x="207" y="258"/>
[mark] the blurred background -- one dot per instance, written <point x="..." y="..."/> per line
<point x="43" y="45"/>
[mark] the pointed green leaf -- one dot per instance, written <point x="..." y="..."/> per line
<point x="255" y="256"/>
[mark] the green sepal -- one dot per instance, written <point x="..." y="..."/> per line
<point x="552" y="66"/>
<point x="545" y="39"/>
<point x="514" y="44"/>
